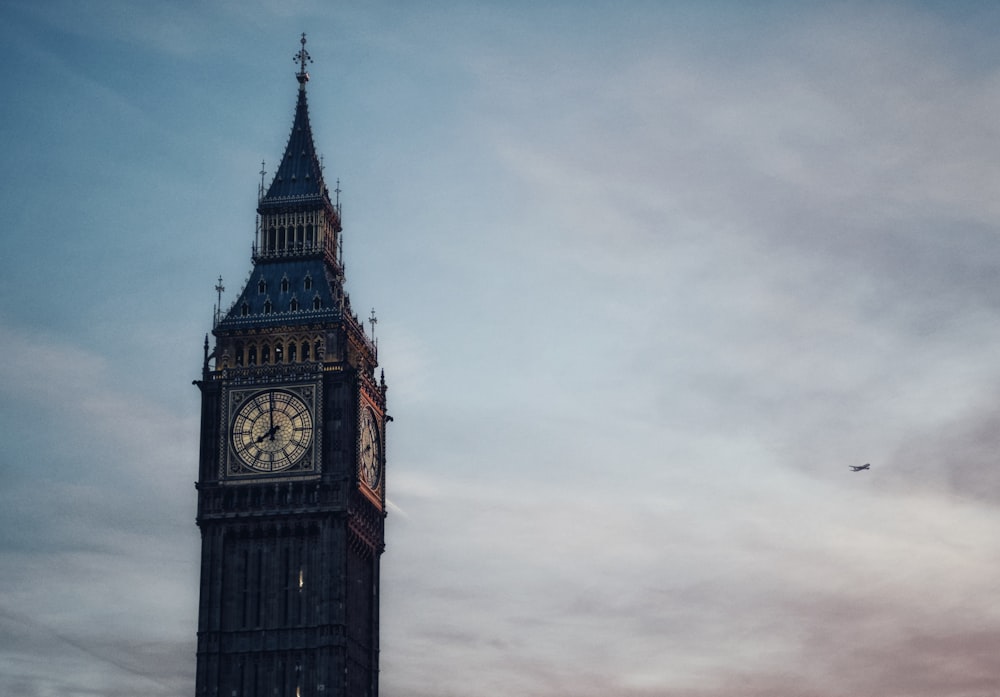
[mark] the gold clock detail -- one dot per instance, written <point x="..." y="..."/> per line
<point x="369" y="446"/>
<point x="272" y="431"/>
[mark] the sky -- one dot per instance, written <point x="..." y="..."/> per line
<point x="649" y="277"/>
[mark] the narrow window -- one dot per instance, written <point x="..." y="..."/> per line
<point x="244" y="309"/>
<point x="291" y="352"/>
<point x="318" y="349"/>
<point x="278" y="352"/>
<point x="252" y="355"/>
<point x="239" y="354"/>
<point x="307" y="283"/>
<point x="284" y="284"/>
<point x="294" y="305"/>
<point x="265" y="354"/>
<point x="305" y="350"/>
<point x="317" y="303"/>
<point x="267" y="307"/>
<point x="261" y="287"/>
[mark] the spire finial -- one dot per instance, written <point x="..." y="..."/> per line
<point x="219" y="288"/>
<point x="302" y="57"/>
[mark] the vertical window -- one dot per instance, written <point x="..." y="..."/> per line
<point x="284" y="284"/>
<point x="239" y="353"/>
<point x="317" y="303"/>
<point x="267" y="307"/>
<point x="294" y="305"/>
<point x="252" y="355"/>
<point x="265" y="354"/>
<point x="307" y="282"/>
<point x="278" y="352"/>
<point x="305" y="350"/>
<point x="245" y="618"/>
<point x="286" y="565"/>
<point x="244" y="309"/>
<point x="259" y="573"/>
<point x="261" y="287"/>
<point x="291" y="352"/>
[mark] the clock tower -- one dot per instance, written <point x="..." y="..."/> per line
<point x="291" y="482"/>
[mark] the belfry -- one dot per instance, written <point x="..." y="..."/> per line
<point x="291" y="483"/>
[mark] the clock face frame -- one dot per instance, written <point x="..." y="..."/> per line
<point x="271" y="431"/>
<point x="369" y="449"/>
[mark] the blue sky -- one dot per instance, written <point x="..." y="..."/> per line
<point x="649" y="277"/>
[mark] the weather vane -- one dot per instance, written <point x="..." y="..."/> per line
<point x="302" y="57"/>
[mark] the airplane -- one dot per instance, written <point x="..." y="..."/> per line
<point x="858" y="468"/>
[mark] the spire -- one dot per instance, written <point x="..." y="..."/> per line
<point x="302" y="57"/>
<point x="299" y="175"/>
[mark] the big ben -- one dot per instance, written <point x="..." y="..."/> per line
<point x="291" y="484"/>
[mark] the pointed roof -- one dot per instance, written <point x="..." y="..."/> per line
<point x="299" y="176"/>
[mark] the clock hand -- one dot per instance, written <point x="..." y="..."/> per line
<point x="268" y="434"/>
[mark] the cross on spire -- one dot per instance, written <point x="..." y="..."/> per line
<point x="302" y="57"/>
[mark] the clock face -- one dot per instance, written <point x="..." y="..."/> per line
<point x="272" y="430"/>
<point x="369" y="446"/>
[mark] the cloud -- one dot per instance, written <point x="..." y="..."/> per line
<point x="108" y="542"/>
